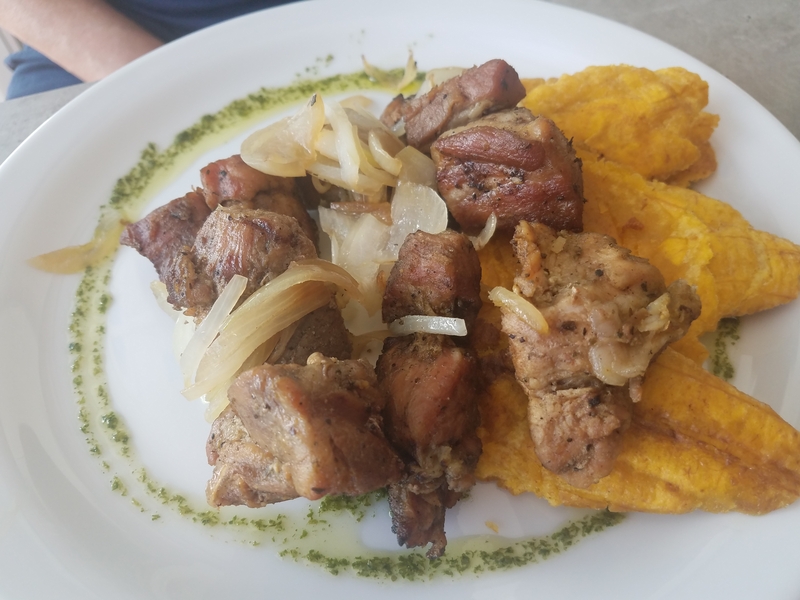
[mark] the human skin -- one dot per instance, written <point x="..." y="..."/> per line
<point x="88" y="38"/>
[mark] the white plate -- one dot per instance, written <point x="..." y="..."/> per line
<point x="65" y="534"/>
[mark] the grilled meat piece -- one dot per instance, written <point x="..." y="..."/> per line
<point x="257" y="244"/>
<point x="435" y="275"/>
<point x="322" y="331"/>
<point x="432" y="382"/>
<point x="231" y="181"/>
<point x="432" y="415"/>
<point x="418" y="518"/>
<point x="514" y="165"/>
<point x="489" y="87"/>
<point x="609" y="314"/>
<point x="322" y="423"/>
<point x="432" y="418"/>
<point x="244" y="472"/>
<point x="166" y="235"/>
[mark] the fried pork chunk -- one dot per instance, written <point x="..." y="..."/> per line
<point x="489" y="87"/>
<point x="165" y="235"/>
<point x="231" y="181"/>
<point x="322" y="424"/>
<point x="514" y="165"/>
<point x="245" y="473"/>
<point x="258" y="244"/>
<point x="435" y="275"/>
<point x="432" y="382"/>
<point x="608" y="314"/>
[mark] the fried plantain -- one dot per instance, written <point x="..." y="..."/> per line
<point x="695" y="442"/>
<point x="651" y="121"/>
<point x="737" y="269"/>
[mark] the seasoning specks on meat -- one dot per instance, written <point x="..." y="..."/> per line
<point x="609" y="314"/>
<point x="322" y="422"/>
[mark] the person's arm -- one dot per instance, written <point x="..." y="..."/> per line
<point x="88" y="38"/>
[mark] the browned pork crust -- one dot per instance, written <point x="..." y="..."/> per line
<point x="435" y="275"/>
<point x="231" y="181"/>
<point x="165" y="236"/>
<point x="432" y="383"/>
<point x="514" y="165"/>
<point x="489" y="87"/>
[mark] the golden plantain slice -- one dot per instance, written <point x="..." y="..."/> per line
<point x="737" y="269"/>
<point x="695" y="443"/>
<point x="650" y="121"/>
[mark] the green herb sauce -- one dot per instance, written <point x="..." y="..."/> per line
<point x="727" y="335"/>
<point x="325" y="534"/>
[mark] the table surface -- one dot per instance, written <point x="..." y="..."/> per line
<point x="754" y="43"/>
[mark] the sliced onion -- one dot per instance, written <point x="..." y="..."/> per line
<point x="380" y="210"/>
<point x="74" y="259"/>
<point x="319" y="185"/>
<point x="210" y="327"/>
<point x="385" y="78"/>
<point x="381" y="147"/>
<point x="217" y="398"/>
<point x="415" y="208"/>
<point x="332" y="173"/>
<point x="359" y="116"/>
<point x="285" y="147"/>
<point x="519" y="306"/>
<point x="486" y="234"/>
<point x="161" y="295"/>
<point x="242" y="337"/>
<point x="425" y="324"/>
<point x="371" y="168"/>
<point x="182" y="333"/>
<point x="280" y="346"/>
<point x="368" y="346"/>
<point x="346" y="140"/>
<point x="302" y="288"/>
<point x="417" y="167"/>
<point x="356" y="102"/>
<point x="326" y="145"/>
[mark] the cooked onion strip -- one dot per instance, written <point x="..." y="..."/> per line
<point x="74" y="259"/>
<point x="217" y="398"/>
<point x="160" y="293"/>
<point x="522" y="308"/>
<point x="239" y="339"/>
<point x="417" y="167"/>
<point x="286" y="147"/>
<point x="302" y="288"/>
<point x="387" y="79"/>
<point x="339" y="144"/>
<point x="425" y="324"/>
<point x="436" y="77"/>
<point x="346" y="144"/>
<point x="486" y="234"/>
<point x="210" y="326"/>
<point x="281" y="344"/>
<point x="415" y="207"/>
<point x="378" y="143"/>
